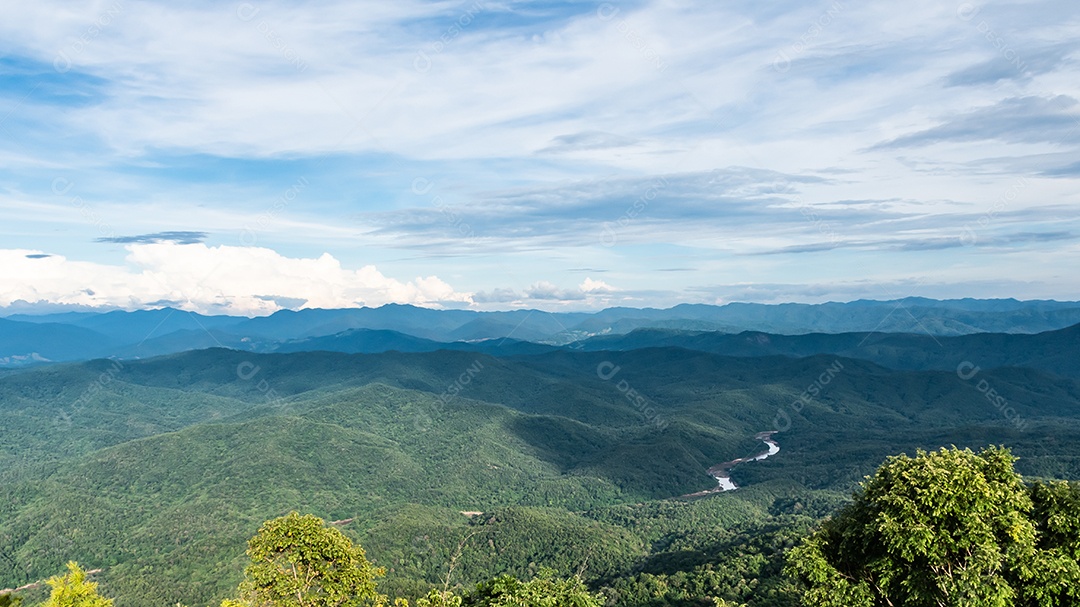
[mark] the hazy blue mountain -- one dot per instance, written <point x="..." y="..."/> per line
<point x="531" y="325"/>
<point x="600" y="325"/>
<point x="1050" y="351"/>
<point x="65" y="318"/>
<point x="371" y="341"/>
<point x="437" y="325"/>
<point x="910" y="315"/>
<point x="184" y="340"/>
<point x="24" y="343"/>
<point x="413" y="320"/>
<point x="136" y="326"/>
<point x="356" y="341"/>
<point x="156" y="332"/>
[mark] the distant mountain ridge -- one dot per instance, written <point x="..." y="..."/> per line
<point x="27" y="340"/>
<point x="373" y="341"/>
<point x="1050" y="351"/>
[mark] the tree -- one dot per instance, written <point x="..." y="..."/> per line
<point x="10" y="600"/>
<point x="297" y="561"/>
<point x="439" y="598"/>
<point x="1056" y="574"/>
<point x="73" y="590"/>
<point x="545" y="590"/>
<point x="942" y="529"/>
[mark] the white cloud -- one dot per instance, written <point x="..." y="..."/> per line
<point x="595" y="286"/>
<point x="590" y="294"/>
<point x="223" y="279"/>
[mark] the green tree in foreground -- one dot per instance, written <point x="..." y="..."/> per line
<point x="545" y="590"/>
<point x="73" y="590"/>
<point x="943" y="529"/>
<point x="297" y="561"/>
<point x="10" y="600"/>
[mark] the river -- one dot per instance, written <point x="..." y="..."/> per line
<point x="722" y="472"/>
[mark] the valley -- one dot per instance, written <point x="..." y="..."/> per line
<point x="722" y="472"/>
<point x="156" y="470"/>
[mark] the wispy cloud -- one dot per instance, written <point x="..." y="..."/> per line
<point x="174" y="237"/>
<point x="1015" y="120"/>
<point x="588" y="140"/>
<point x="999" y="67"/>
<point x="587" y="212"/>
<point x="505" y="146"/>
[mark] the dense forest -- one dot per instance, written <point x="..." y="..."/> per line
<point x="943" y="528"/>
<point x="455" y="468"/>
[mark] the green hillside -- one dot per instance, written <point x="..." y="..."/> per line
<point x="570" y="460"/>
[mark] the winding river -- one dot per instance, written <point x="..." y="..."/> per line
<point x="722" y="472"/>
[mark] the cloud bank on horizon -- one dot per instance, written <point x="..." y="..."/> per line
<point x="252" y="156"/>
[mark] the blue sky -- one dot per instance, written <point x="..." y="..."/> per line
<point x="243" y="157"/>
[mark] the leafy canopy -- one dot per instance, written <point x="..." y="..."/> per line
<point x="946" y="528"/>
<point x="297" y="561"/>
<point x="545" y="590"/>
<point x="73" y="590"/>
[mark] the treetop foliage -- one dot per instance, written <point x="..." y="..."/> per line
<point x="946" y="528"/>
<point x="297" y="561"/>
<point x="74" y="590"/>
<point x="545" y="590"/>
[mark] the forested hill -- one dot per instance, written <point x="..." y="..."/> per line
<point x="1050" y="351"/>
<point x="158" y="470"/>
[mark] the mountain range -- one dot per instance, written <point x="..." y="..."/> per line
<point x="454" y="450"/>
<point x="34" y="339"/>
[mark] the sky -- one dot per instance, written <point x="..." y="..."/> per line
<point x="246" y="157"/>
